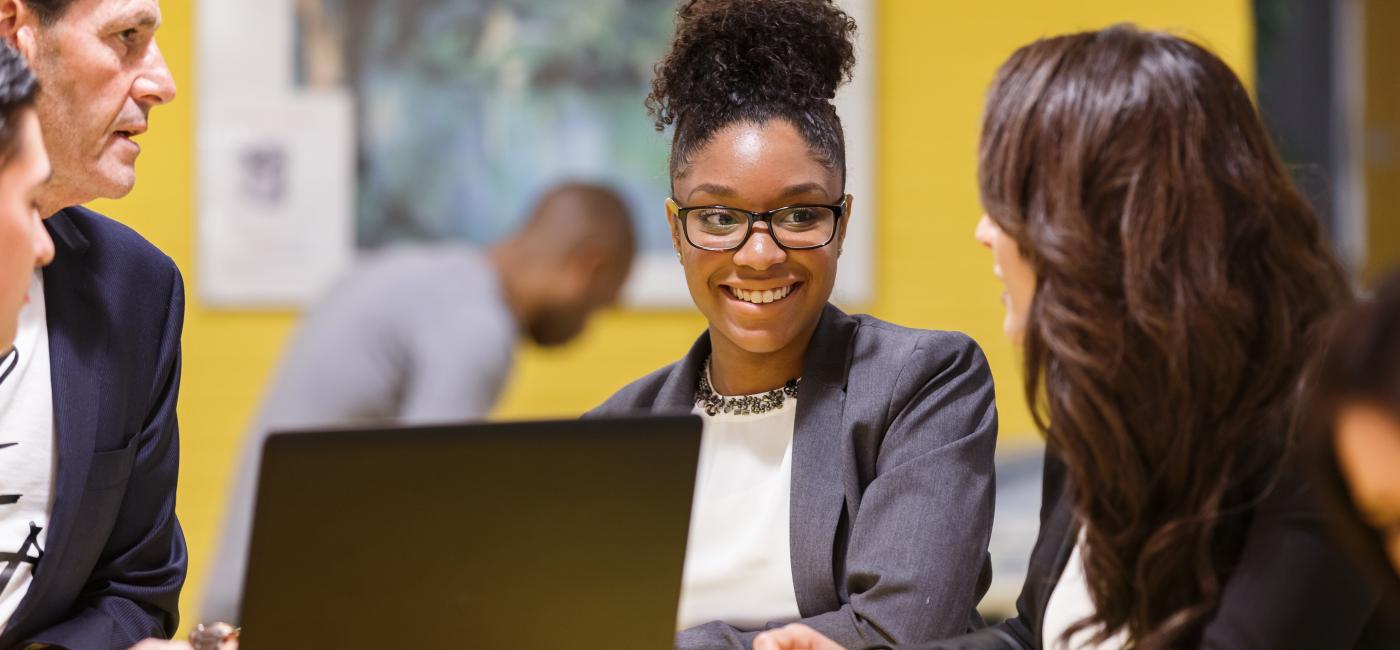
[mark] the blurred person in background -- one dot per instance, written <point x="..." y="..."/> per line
<point x="1358" y="431"/>
<point x="101" y="365"/>
<point x="845" y="475"/>
<point x="1169" y="287"/>
<point x="426" y="334"/>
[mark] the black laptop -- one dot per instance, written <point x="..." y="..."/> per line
<point x="565" y="534"/>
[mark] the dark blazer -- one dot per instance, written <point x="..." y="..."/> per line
<point x="114" y="561"/>
<point x="1292" y="588"/>
<point x="892" y="480"/>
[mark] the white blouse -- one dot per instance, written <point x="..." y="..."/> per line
<point x="26" y="452"/>
<point x="738" y="564"/>
<point x="1070" y="603"/>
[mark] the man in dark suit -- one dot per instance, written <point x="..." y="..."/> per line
<point x="109" y="570"/>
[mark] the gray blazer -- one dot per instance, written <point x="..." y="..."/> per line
<point x="892" y="480"/>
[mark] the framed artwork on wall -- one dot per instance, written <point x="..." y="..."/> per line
<point x="348" y="125"/>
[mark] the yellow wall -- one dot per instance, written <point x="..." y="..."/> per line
<point x="1381" y="126"/>
<point x="935" y="60"/>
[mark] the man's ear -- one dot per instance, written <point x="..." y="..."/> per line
<point x="579" y="271"/>
<point x="589" y="261"/>
<point x="12" y="14"/>
<point x="17" y="27"/>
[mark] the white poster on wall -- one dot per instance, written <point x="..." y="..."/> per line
<point x="275" y="190"/>
<point x="353" y="124"/>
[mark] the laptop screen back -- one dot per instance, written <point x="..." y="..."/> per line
<point x="521" y="535"/>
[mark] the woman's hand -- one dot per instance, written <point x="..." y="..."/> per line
<point x="794" y="637"/>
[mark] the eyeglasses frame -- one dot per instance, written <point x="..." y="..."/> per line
<point x="838" y="211"/>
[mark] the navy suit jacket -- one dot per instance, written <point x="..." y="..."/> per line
<point x="114" y="560"/>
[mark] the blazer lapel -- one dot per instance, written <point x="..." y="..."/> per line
<point x="69" y="291"/>
<point x="1059" y="522"/>
<point x="817" y="492"/>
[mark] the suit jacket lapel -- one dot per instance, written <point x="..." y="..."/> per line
<point x="1061" y="529"/>
<point x="817" y="491"/>
<point x="69" y="291"/>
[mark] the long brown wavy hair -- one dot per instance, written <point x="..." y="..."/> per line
<point x="1182" y="283"/>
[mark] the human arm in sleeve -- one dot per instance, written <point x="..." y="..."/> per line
<point x="133" y="592"/>
<point x="456" y="368"/>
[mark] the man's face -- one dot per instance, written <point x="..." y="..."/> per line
<point x="100" y="73"/>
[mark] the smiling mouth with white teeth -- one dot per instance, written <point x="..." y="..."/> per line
<point x="761" y="297"/>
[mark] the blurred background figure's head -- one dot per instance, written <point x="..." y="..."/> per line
<point x="1359" y="413"/>
<point x="569" y="260"/>
<point x="24" y="243"/>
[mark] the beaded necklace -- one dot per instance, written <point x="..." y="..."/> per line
<point x="713" y="403"/>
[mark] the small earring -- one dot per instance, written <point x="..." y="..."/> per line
<point x="678" y="255"/>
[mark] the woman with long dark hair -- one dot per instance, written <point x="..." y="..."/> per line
<point x="845" y="476"/>
<point x="1168" y="284"/>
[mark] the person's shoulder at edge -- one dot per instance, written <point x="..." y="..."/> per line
<point x="923" y="389"/>
<point x="109" y="242"/>
<point x="416" y="258"/>
<point x="936" y="350"/>
<point x="431" y="276"/>
<point x="951" y="340"/>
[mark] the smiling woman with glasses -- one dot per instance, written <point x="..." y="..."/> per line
<point x="845" y="476"/>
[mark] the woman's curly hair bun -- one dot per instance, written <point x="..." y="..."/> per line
<point x="740" y="56"/>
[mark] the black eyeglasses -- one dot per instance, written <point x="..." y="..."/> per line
<point x="794" y="227"/>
